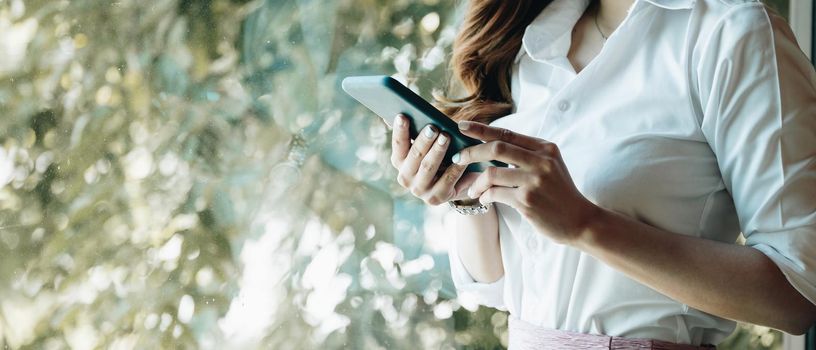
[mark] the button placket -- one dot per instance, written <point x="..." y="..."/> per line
<point x="558" y="117"/>
<point x="563" y="105"/>
<point x="558" y="106"/>
<point x="532" y="243"/>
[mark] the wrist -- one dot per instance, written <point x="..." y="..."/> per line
<point x="589" y="232"/>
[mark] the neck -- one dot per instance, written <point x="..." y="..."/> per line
<point x="612" y="12"/>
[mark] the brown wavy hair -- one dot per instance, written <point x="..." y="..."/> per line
<point x="483" y="56"/>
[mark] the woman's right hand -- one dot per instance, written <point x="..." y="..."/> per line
<point x="419" y="164"/>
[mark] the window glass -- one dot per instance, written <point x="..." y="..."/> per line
<point x="187" y="173"/>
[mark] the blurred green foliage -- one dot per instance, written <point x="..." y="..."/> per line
<point x="187" y="174"/>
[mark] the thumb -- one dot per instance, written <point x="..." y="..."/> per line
<point x="464" y="183"/>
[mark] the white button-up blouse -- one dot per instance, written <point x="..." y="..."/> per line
<point x="697" y="117"/>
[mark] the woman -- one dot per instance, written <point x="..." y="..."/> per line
<point x="644" y="136"/>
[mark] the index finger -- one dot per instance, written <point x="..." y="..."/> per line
<point x="400" y="141"/>
<point x="491" y="133"/>
<point x="495" y="150"/>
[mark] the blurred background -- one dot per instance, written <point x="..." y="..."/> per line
<point x="188" y="174"/>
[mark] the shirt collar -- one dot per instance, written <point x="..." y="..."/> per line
<point x="545" y="38"/>
<point x="672" y="4"/>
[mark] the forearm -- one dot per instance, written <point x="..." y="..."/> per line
<point x="728" y="280"/>
<point x="477" y="240"/>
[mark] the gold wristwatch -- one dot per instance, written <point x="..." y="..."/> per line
<point x="469" y="207"/>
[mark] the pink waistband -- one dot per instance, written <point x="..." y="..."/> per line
<point x="525" y="336"/>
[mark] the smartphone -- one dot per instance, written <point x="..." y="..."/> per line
<point x="387" y="97"/>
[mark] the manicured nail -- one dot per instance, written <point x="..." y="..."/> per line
<point x="464" y="125"/>
<point x="429" y="131"/>
<point x="442" y="140"/>
<point x="456" y="158"/>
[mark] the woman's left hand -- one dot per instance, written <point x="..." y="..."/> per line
<point x="539" y="186"/>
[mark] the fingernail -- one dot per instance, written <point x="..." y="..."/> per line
<point x="429" y="131"/>
<point x="456" y="158"/>
<point x="464" y="125"/>
<point x="442" y="140"/>
<point x="470" y="193"/>
<point x="398" y="121"/>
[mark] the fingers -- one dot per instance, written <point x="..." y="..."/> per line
<point x="464" y="183"/>
<point x="493" y="176"/>
<point x="416" y="153"/>
<point x="423" y="180"/>
<point x="400" y="141"/>
<point x="495" y="150"/>
<point x="506" y="195"/>
<point x="445" y="188"/>
<point x="486" y="132"/>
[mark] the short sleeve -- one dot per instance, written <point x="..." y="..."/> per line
<point x="758" y="96"/>
<point x="487" y="294"/>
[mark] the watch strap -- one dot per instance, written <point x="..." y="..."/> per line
<point x="469" y="208"/>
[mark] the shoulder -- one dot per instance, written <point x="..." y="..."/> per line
<point x="719" y="8"/>
<point x="722" y="29"/>
<point x="731" y="43"/>
<point x="732" y="19"/>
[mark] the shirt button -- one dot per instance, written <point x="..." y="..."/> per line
<point x="563" y="105"/>
<point x="532" y="243"/>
